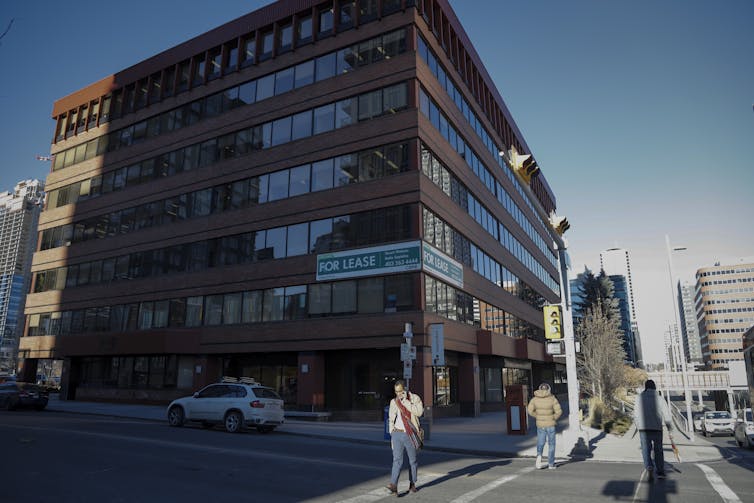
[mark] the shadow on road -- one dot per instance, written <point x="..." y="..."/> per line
<point x="467" y="471"/>
<point x="625" y="490"/>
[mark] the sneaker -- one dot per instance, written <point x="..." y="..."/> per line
<point x="662" y="475"/>
<point x="551" y="467"/>
<point x="650" y="473"/>
<point x="538" y="462"/>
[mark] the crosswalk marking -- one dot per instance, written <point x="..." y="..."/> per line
<point x="725" y="492"/>
<point x="379" y="493"/>
<point x="472" y="495"/>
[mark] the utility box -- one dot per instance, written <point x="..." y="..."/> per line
<point x="515" y="407"/>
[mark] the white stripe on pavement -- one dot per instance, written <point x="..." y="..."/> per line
<point x="471" y="496"/>
<point x="378" y="494"/>
<point x="718" y="485"/>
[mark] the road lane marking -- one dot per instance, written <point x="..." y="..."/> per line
<point x="717" y="483"/>
<point x="638" y="486"/>
<point x="378" y="494"/>
<point x="472" y="495"/>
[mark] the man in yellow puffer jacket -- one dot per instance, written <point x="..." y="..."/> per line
<point x="546" y="410"/>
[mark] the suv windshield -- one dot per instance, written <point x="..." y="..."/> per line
<point x="718" y="415"/>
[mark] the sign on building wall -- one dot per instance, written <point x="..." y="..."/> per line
<point x="400" y="257"/>
<point x="373" y="261"/>
<point x="440" y="265"/>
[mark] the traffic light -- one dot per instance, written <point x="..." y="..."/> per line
<point x="553" y="328"/>
<point x="559" y="224"/>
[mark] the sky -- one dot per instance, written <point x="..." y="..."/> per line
<point x="640" y="114"/>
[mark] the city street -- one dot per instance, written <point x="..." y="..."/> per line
<point x="61" y="457"/>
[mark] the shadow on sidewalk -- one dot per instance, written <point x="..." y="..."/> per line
<point x="582" y="450"/>
<point x="468" y="471"/>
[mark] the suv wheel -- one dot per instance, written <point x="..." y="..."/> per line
<point x="233" y="421"/>
<point x="176" y="417"/>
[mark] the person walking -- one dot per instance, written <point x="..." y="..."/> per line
<point x="545" y="408"/>
<point x="650" y="412"/>
<point x="403" y="417"/>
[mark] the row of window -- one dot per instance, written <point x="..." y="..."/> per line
<point x="740" y="300"/>
<point x="366" y="165"/>
<point x="452" y="187"/>
<point x="239" y="143"/>
<point x="241" y="52"/>
<point x="727" y="281"/>
<point x="733" y="310"/>
<point x="362" y="296"/>
<point x="320" y="236"/>
<point x="306" y="73"/>
<point x="727" y="291"/>
<point x="468" y="113"/>
<point x="454" y="304"/>
<point x="445" y="238"/>
<point x="720" y="272"/>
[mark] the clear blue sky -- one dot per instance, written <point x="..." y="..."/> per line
<point x="639" y="113"/>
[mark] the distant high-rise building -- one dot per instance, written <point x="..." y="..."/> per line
<point x="724" y="311"/>
<point x="689" y="330"/>
<point x="617" y="262"/>
<point x="620" y="285"/>
<point x="19" y="213"/>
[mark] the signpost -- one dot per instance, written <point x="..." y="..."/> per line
<point x="408" y="353"/>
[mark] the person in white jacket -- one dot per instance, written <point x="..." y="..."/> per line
<point x="403" y="420"/>
<point x="650" y="413"/>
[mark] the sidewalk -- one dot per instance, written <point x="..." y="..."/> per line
<point x="480" y="436"/>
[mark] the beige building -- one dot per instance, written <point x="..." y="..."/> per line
<point x="724" y="311"/>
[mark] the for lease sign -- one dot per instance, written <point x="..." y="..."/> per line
<point x="399" y="257"/>
<point x="372" y="261"/>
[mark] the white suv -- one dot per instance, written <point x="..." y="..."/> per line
<point x="717" y="421"/>
<point x="234" y="402"/>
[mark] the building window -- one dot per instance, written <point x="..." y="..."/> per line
<point x="285" y="34"/>
<point x="346" y="15"/>
<point x="304" y="30"/>
<point x="367" y="11"/>
<point x="231" y="57"/>
<point x="248" y="46"/>
<point x="325" y="22"/>
<point x="215" y="63"/>
<point x="268" y="45"/>
<point x="200" y="67"/>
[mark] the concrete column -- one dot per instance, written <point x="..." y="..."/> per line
<point x="700" y="398"/>
<point x="310" y="390"/>
<point x="731" y="403"/>
<point x="468" y="384"/>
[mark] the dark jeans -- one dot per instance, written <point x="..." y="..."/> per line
<point x="651" y="440"/>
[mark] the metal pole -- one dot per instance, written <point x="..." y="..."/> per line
<point x="677" y="318"/>
<point x="570" y="343"/>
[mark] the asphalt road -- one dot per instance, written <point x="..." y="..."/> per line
<point x="58" y="458"/>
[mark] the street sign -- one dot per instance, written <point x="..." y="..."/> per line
<point x="407" y="369"/>
<point x="437" y="338"/>
<point x="408" y="352"/>
<point x="555" y="348"/>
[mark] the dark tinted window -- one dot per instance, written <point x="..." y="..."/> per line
<point x="266" y="393"/>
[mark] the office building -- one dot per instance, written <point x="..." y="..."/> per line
<point x="278" y="198"/>
<point x="19" y="213"/>
<point x="617" y="262"/>
<point x="724" y="296"/>
<point x="692" y="346"/>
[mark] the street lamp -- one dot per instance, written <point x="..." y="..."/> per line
<point x="682" y="351"/>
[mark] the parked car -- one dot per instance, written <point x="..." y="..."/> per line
<point x="234" y="403"/>
<point x="7" y="378"/>
<point x="744" y="429"/>
<point x="696" y="419"/>
<point x="716" y="422"/>
<point x="14" y="394"/>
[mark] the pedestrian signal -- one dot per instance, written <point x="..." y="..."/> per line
<point x="553" y="328"/>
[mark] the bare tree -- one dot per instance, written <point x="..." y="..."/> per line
<point x="601" y="358"/>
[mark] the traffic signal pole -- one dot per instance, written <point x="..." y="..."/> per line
<point x="573" y="434"/>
